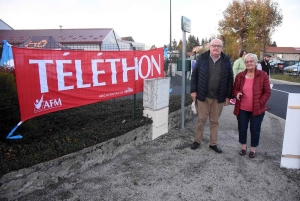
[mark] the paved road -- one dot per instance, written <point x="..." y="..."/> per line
<point x="279" y="97"/>
<point x="277" y="102"/>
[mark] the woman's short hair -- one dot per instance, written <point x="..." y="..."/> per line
<point x="251" y="55"/>
<point x="242" y="53"/>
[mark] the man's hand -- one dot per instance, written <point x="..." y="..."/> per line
<point x="226" y="102"/>
<point x="194" y="95"/>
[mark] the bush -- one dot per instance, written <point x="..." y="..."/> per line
<point x="9" y="106"/>
<point x="56" y="134"/>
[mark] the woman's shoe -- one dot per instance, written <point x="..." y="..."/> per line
<point x="243" y="152"/>
<point x="252" y="154"/>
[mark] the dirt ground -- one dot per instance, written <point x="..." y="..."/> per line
<point x="167" y="169"/>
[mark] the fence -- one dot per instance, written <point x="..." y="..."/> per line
<point x="80" y="46"/>
<point x="9" y="106"/>
<point x="55" y="134"/>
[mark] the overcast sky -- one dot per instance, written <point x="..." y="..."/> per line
<point x="146" y="21"/>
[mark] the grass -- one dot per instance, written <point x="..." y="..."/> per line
<point x="286" y="77"/>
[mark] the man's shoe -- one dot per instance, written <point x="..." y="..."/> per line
<point x="195" y="145"/>
<point x="216" y="148"/>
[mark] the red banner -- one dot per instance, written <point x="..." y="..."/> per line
<point x="53" y="80"/>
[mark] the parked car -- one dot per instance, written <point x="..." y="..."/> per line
<point x="279" y="67"/>
<point x="272" y="65"/>
<point x="273" y="62"/>
<point x="293" y="69"/>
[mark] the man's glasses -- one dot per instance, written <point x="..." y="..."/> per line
<point x="217" y="46"/>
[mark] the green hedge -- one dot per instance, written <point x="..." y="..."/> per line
<point x="56" y="134"/>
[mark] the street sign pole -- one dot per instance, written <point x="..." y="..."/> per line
<point x="183" y="79"/>
<point x="186" y="27"/>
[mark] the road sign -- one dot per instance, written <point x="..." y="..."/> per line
<point x="185" y="24"/>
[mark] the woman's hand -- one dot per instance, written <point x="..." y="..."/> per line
<point x="239" y="95"/>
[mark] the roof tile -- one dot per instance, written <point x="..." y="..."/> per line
<point x="283" y="50"/>
<point x="61" y="35"/>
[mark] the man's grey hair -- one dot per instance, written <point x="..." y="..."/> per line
<point x="251" y="55"/>
<point x="217" y="40"/>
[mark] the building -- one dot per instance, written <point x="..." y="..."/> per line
<point x="4" y="26"/>
<point x="284" y="53"/>
<point x="75" y="39"/>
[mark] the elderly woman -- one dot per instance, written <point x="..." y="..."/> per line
<point x="252" y="91"/>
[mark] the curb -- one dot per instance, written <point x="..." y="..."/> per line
<point x="287" y="82"/>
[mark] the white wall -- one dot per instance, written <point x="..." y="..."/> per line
<point x="290" y="56"/>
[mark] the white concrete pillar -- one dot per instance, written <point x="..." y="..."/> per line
<point x="290" y="157"/>
<point x="174" y="69"/>
<point x="156" y="104"/>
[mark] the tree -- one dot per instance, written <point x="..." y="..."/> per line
<point x="152" y="47"/>
<point x="266" y="17"/>
<point x="273" y="44"/>
<point x="180" y="45"/>
<point x="236" y="21"/>
<point x="174" y="45"/>
<point x="202" y="41"/>
<point x="251" y="23"/>
<point x="230" y="46"/>
<point x="191" y="43"/>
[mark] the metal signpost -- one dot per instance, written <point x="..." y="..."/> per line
<point x="185" y="27"/>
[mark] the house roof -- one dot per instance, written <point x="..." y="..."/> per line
<point x="128" y="38"/>
<point x="43" y="42"/>
<point x="199" y="47"/>
<point x="1" y="21"/>
<point x="283" y="50"/>
<point x="61" y="35"/>
<point x="190" y="53"/>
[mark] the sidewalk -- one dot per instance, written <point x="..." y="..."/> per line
<point x="167" y="169"/>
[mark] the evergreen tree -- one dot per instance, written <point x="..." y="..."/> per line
<point x="191" y="43"/>
<point x="174" y="45"/>
<point x="273" y="44"/>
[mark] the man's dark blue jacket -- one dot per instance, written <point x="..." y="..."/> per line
<point x="200" y="75"/>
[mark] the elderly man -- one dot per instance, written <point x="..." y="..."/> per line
<point x="211" y="86"/>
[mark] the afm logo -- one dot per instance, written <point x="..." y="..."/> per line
<point x="128" y="90"/>
<point x="42" y="105"/>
